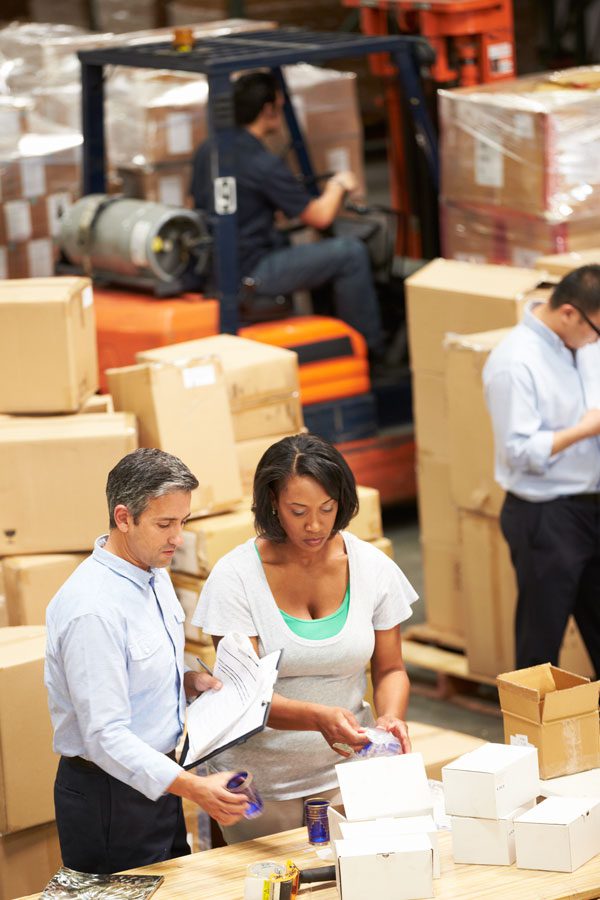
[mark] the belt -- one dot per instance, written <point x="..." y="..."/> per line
<point x="592" y="497"/>
<point x="84" y="765"/>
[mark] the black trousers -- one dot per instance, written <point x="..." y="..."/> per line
<point x="555" y="550"/>
<point x="105" y="826"/>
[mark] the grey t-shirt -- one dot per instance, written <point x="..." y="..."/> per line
<point x="237" y="597"/>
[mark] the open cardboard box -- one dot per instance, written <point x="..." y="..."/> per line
<point x="555" y="711"/>
<point x="387" y="811"/>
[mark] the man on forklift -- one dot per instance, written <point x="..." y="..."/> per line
<point x="265" y="185"/>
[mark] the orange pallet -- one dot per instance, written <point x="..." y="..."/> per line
<point x="332" y="356"/>
<point x="129" y="323"/>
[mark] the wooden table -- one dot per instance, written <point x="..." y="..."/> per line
<point x="218" y="874"/>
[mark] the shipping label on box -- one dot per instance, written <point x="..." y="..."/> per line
<point x="555" y="711"/>
<point x="491" y="781"/>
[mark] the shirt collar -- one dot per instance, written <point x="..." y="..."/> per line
<point x="542" y="330"/>
<point x="143" y="578"/>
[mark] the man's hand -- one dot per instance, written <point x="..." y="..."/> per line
<point x="346" y="180"/>
<point x="195" y="683"/>
<point x="398" y="728"/>
<point x="339" y="726"/>
<point x="210" y="792"/>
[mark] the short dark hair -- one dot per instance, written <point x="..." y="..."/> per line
<point x="580" y="287"/>
<point x="251" y="93"/>
<point x="305" y="455"/>
<point x="143" y="475"/>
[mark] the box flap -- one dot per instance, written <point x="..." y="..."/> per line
<point x="389" y="786"/>
<point x="490" y="758"/>
<point x="522" y="691"/>
<point x="575" y="701"/>
<point x="503" y="282"/>
<point x="365" y="846"/>
<point x="559" y="810"/>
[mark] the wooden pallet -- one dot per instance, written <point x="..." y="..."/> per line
<point x="453" y="681"/>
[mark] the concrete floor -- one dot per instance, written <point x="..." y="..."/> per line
<point x="400" y="524"/>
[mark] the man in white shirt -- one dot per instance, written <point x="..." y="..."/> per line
<point x="116" y="682"/>
<point x="543" y="405"/>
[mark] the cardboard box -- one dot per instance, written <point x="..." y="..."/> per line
<point x="559" y="835"/>
<point x="389" y="786"/>
<point x="443" y="589"/>
<point x="372" y="865"/>
<point x="471" y="443"/>
<point x="23" y="220"/>
<point x="249" y="454"/>
<point x="206" y="540"/>
<point x="367" y="524"/>
<point x="486" y="842"/>
<point x="281" y="416"/>
<point x="491" y="781"/>
<point x="388" y="828"/>
<point x="48" y="362"/>
<point x="254" y="373"/>
<point x="555" y="711"/>
<point x="524" y="144"/>
<point x="188" y="590"/>
<point x="167" y="183"/>
<point x="490" y="234"/>
<point x="98" y="403"/>
<point x="28" y="859"/>
<point x="489" y="595"/>
<point x="430" y="413"/>
<point x="560" y="264"/>
<point x="53" y="474"/>
<point x="447" y="295"/>
<point x="31" y="583"/>
<point x="438" y="515"/>
<point x="28" y="259"/>
<point x="27" y="762"/>
<point x="183" y="410"/>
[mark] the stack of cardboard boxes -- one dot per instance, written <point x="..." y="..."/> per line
<point x="53" y="464"/>
<point x="519" y="177"/>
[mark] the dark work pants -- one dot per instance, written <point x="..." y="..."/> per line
<point x="555" y="550"/>
<point x="105" y="826"/>
<point x="342" y="261"/>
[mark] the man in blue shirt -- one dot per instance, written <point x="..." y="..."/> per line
<point x="264" y="186"/>
<point x="547" y="444"/>
<point x="116" y="683"/>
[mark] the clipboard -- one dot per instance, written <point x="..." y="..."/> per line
<point x="257" y="711"/>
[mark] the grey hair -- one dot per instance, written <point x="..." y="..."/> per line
<point x="143" y="475"/>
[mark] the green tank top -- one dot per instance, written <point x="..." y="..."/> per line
<point x="317" y="629"/>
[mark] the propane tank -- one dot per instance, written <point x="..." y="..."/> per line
<point x="111" y="235"/>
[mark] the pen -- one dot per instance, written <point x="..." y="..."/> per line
<point x="204" y="666"/>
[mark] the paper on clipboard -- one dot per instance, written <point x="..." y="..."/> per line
<point x="217" y="719"/>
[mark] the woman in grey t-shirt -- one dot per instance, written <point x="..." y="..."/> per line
<point x="332" y="603"/>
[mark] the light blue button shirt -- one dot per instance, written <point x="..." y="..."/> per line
<point x="534" y="386"/>
<point x="114" y="670"/>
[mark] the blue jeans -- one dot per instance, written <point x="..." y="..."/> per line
<point x="342" y="261"/>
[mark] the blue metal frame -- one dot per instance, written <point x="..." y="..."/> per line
<point x="218" y="58"/>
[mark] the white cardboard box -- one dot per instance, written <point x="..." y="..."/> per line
<point x="393" y="786"/>
<point x="491" y="781"/>
<point x="388" y="828"/>
<point x="486" y="842"/>
<point x="558" y="835"/>
<point x="370" y="867"/>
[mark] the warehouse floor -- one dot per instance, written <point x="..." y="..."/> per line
<point x="400" y="525"/>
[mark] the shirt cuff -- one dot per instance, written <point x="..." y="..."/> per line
<point x="540" y="451"/>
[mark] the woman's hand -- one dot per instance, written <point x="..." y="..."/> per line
<point x="398" y="728"/>
<point x="340" y="726"/>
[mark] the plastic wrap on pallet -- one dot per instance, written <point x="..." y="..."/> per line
<point x="488" y="234"/>
<point x="38" y="181"/>
<point x="318" y="15"/>
<point x="135" y="15"/>
<point x="528" y="145"/>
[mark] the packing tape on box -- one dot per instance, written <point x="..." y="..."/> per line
<point x="269" y="881"/>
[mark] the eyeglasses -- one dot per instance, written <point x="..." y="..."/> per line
<point x="586" y="319"/>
